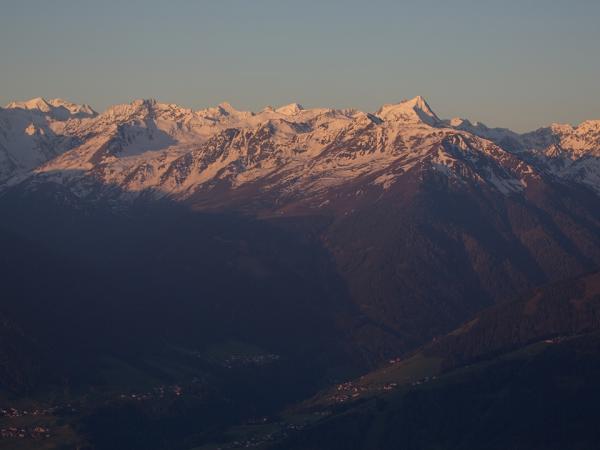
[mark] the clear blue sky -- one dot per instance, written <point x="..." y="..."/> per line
<point x="520" y="64"/>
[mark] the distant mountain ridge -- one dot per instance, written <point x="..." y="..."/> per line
<point x="150" y="148"/>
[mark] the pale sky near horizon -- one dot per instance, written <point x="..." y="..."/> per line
<point x="519" y="64"/>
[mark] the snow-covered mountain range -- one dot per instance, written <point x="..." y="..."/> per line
<point x="385" y="229"/>
<point x="150" y="149"/>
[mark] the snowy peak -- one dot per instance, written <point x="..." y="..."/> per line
<point x="74" y="109"/>
<point x="57" y="108"/>
<point x="569" y="152"/>
<point x="413" y="111"/>
<point x="226" y="109"/>
<point x="290" y="110"/>
<point x="37" y="103"/>
<point x="137" y="109"/>
<point x="420" y="104"/>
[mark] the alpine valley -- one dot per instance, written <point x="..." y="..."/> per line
<point x="296" y="278"/>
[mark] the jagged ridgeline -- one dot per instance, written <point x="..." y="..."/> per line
<point x="295" y="154"/>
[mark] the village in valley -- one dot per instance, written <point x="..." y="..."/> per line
<point x="36" y="423"/>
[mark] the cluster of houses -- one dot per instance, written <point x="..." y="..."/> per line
<point x="42" y="432"/>
<point x="349" y="391"/>
<point x="38" y="432"/>
<point x="14" y="412"/>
